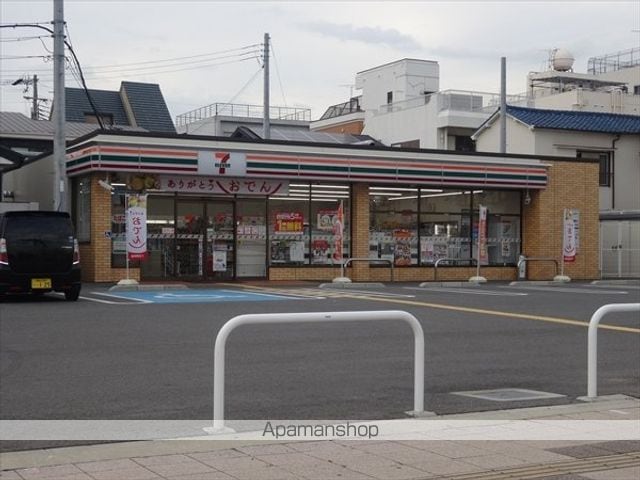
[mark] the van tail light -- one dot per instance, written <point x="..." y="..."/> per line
<point x="76" y="252"/>
<point x="4" y="256"/>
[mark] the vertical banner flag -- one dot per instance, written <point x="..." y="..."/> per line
<point x="569" y="246"/>
<point x="338" y="229"/>
<point x="483" y="254"/>
<point x="136" y="226"/>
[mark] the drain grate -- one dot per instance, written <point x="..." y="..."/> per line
<point x="509" y="394"/>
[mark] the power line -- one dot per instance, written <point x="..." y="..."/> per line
<point x="120" y="74"/>
<point x="244" y="87"/>
<point x="180" y="58"/>
<point x="22" y="57"/>
<point x="278" y="74"/>
<point x="213" y="55"/>
<point x="21" y="39"/>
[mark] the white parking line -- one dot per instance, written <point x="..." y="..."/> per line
<point x="348" y="291"/>
<point x="98" y="300"/>
<point x="469" y="290"/>
<point x="132" y="301"/>
<point x="567" y="290"/>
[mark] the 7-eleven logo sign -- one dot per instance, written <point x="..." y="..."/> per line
<point x="222" y="164"/>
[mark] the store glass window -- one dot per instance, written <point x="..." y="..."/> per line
<point x="445" y="225"/>
<point x="304" y="225"/>
<point x="83" y="208"/>
<point x="329" y="203"/>
<point x="503" y="225"/>
<point x="160" y="262"/>
<point x="393" y="232"/>
<point x="289" y="227"/>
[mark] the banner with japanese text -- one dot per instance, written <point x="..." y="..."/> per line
<point x="136" y="234"/>
<point x="338" y="235"/>
<point x="569" y="247"/>
<point x="222" y="186"/>
<point x="483" y="253"/>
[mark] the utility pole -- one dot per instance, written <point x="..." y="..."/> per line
<point x="59" y="137"/>
<point x="503" y="105"/>
<point x="35" y="114"/>
<point x="266" y="124"/>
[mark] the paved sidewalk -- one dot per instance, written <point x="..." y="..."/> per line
<point x="351" y="459"/>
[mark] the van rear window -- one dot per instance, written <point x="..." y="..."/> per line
<point x="43" y="227"/>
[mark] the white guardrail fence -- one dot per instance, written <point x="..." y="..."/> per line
<point x="592" y="346"/>
<point x="263" y="318"/>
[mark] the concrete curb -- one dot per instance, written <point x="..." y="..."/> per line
<point x="354" y="286"/>
<point x="461" y="284"/>
<point x="630" y="281"/>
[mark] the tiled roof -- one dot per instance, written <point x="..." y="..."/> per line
<point x="148" y="106"/>
<point x="15" y="124"/>
<point x="106" y="102"/>
<point x="577" y="121"/>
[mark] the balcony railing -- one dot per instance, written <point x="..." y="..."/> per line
<point x="457" y="100"/>
<point x="243" y="110"/>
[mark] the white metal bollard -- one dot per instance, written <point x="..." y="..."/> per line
<point x="227" y="328"/>
<point x="592" y="347"/>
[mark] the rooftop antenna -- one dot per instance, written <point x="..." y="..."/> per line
<point x="350" y="86"/>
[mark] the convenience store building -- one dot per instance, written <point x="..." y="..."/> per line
<point x="222" y="209"/>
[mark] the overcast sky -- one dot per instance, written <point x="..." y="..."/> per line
<point x="319" y="46"/>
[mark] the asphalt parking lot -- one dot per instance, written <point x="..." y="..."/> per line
<point x="149" y="355"/>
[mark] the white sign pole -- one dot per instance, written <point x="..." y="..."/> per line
<point x="481" y="239"/>
<point x="562" y="278"/>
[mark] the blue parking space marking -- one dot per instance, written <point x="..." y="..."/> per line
<point x="199" y="296"/>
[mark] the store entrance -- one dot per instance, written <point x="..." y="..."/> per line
<point x="251" y="238"/>
<point x="205" y="239"/>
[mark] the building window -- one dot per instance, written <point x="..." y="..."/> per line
<point x="107" y="118"/>
<point x="503" y="225"/>
<point x="636" y="89"/>
<point x="445" y="226"/>
<point x="82" y="208"/>
<point x="419" y="226"/>
<point x="605" y="165"/>
<point x="303" y="225"/>
<point x="393" y="233"/>
<point x="464" y="144"/>
<point x="605" y="170"/>
<point x="389" y="97"/>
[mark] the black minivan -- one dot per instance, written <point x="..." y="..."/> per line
<point x="39" y="253"/>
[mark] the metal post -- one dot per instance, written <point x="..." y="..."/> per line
<point x="503" y="105"/>
<point x="227" y="328"/>
<point x="266" y="125"/>
<point x="35" y="114"/>
<point x="126" y="233"/>
<point x="59" y="164"/>
<point x="592" y="347"/>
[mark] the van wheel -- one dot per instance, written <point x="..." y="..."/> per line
<point x="72" y="294"/>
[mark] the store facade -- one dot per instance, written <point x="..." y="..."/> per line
<point x="220" y="209"/>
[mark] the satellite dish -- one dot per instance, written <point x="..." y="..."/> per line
<point x="562" y="60"/>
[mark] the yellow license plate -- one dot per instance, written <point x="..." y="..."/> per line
<point x="40" y="283"/>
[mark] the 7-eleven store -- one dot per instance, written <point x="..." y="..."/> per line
<point x="224" y="209"/>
